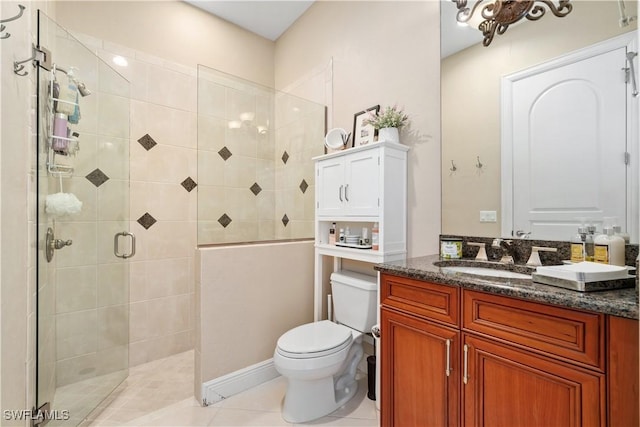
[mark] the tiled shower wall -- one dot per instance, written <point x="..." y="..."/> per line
<point x="163" y="171"/>
<point x="266" y="175"/>
<point x="254" y="162"/>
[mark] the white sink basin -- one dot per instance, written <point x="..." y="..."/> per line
<point x="480" y="271"/>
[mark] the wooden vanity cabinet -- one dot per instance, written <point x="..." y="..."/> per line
<point x="507" y="386"/>
<point x="511" y="362"/>
<point x="420" y="354"/>
<point x="622" y="372"/>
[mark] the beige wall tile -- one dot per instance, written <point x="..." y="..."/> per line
<point x="113" y="200"/>
<point x="211" y="133"/>
<point x="166" y="125"/>
<point x="86" y="160"/>
<point x="113" y="326"/>
<point x="76" y="288"/>
<point x="163" y="163"/>
<point x="211" y="98"/>
<point x="211" y="168"/>
<point x="113" y="284"/>
<point x="76" y="334"/>
<point x="240" y="172"/>
<point x="76" y="369"/>
<point x="138" y="321"/>
<point x="111" y="82"/>
<point x="113" y="115"/>
<point x="172" y="89"/>
<point x="168" y="277"/>
<point x="83" y="250"/>
<point x="138" y="281"/>
<point x="113" y="156"/>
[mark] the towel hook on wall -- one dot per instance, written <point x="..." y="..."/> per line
<point x="38" y="56"/>
<point x="453" y="167"/>
<point x="3" y="21"/>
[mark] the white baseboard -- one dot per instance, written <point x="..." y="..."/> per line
<point x="227" y="385"/>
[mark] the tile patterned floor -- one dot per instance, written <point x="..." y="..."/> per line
<point x="160" y="394"/>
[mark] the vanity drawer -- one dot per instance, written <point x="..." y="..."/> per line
<point x="424" y="299"/>
<point x="555" y="331"/>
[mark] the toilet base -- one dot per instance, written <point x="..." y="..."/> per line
<point x="310" y="400"/>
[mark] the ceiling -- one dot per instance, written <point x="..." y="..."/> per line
<point x="453" y="36"/>
<point x="266" y="18"/>
<point x="270" y="19"/>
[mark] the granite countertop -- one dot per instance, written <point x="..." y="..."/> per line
<point x="619" y="302"/>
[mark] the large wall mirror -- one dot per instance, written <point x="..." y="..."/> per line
<point x="473" y="122"/>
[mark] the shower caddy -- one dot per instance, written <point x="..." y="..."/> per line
<point x="54" y="166"/>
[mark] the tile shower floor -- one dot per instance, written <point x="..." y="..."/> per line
<point x="160" y="393"/>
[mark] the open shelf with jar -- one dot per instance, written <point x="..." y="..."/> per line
<point x="356" y="189"/>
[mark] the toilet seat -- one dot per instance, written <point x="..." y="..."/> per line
<point x="314" y="340"/>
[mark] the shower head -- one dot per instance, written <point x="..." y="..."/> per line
<point x="82" y="88"/>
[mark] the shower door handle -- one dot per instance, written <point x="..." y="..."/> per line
<point x="116" y="240"/>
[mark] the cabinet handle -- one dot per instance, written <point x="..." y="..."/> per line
<point x="340" y="193"/>
<point x="346" y="195"/>
<point x="465" y="372"/>
<point x="448" y="346"/>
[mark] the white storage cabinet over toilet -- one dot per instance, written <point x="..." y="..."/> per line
<point x="358" y="187"/>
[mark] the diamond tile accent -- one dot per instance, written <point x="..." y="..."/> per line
<point x="146" y="220"/>
<point x="224" y="220"/>
<point x="285" y="157"/>
<point x="189" y="184"/>
<point x="303" y="186"/>
<point x="97" y="177"/>
<point x="147" y="142"/>
<point x="225" y="153"/>
<point x="255" y="188"/>
<point x="285" y="220"/>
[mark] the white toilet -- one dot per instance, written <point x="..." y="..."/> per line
<point x="320" y="359"/>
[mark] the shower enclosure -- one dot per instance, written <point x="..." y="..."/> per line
<point x="255" y="168"/>
<point x="83" y="244"/>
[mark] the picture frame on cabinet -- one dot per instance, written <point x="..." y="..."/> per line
<point x="364" y="134"/>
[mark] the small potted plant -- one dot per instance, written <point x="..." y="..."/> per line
<point x="387" y="122"/>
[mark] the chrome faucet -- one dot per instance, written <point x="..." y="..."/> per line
<point x="507" y="250"/>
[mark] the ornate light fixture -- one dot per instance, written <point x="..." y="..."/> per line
<point x="497" y="15"/>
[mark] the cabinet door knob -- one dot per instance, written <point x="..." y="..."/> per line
<point x="340" y="193"/>
<point x="346" y="194"/>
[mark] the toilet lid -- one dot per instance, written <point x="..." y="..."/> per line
<point x="314" y="340"/>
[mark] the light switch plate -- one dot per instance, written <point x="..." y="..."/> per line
<point x="488" y="216"/>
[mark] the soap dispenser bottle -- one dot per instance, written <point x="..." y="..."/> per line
<point x="617" y="230"/>
<point x="609" y="248"/>
<point x="588" y="243"/>
<point x="578" y="245"/>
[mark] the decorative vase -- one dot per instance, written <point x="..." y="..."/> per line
<point x="389" y="134"/>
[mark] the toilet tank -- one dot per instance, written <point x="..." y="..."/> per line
<point x="355" y="298"/>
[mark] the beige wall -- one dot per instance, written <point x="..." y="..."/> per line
<point x="471" y="104"/>
<point x="384" y="52"/>
<point x="248" y="295"/>
<point x="175" y="31"/>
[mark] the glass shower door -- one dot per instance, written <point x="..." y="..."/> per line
<point x="82" y="226"/>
